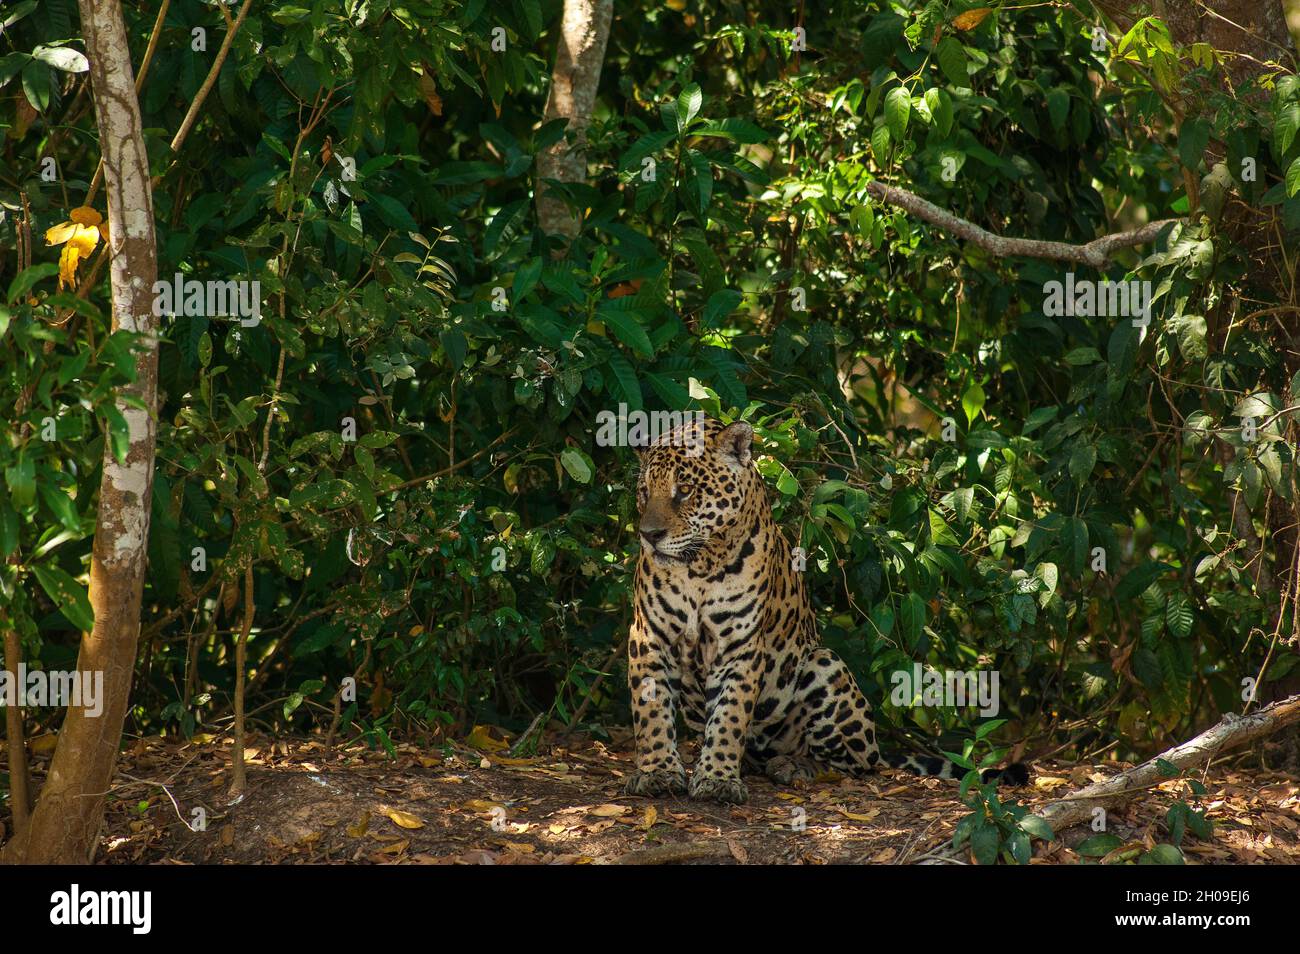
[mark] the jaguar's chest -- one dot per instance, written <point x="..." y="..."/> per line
<point x="710" y="616"/>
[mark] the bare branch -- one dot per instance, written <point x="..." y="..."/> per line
<point x="1231" y="731"/>
<point x="1095" y="254"/>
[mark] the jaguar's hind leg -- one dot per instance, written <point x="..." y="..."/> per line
<point x="784" y="769"/>
<point x="839" y="732"/>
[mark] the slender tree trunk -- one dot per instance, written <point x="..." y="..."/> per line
<point x="238" y="778"/>
<point x="68" y="815"/>
<point x="20" y="786"/>
<point x="584" y="33"/>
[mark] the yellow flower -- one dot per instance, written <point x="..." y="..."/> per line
<point x="78" y="238"/>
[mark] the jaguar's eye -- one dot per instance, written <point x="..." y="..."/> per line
<point x="685" y="490"/>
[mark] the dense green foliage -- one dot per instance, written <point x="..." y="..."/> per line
<point x="750" y="274"/>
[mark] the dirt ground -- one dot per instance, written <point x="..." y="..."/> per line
<point x="565" y="806"/>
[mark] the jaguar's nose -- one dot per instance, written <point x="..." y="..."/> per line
<point x="653" y="536"/>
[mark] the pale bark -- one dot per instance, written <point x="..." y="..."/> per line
<point x="584" y="32"/>
<point x="70" y="811"/>
<point x="1095" y="253"/>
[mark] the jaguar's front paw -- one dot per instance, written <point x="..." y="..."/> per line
<point x="729" y="790"/>
<point x="661" y="781"/>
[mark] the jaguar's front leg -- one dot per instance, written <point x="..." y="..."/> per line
<point x="731" y="692"/>
<point x="653" y="678"/>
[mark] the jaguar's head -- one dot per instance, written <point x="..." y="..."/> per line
<point x="694" y="486"/>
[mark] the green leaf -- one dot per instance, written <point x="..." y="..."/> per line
<point x="984" y="843"/>
<point x="1038" y="827"/>
<point x="36" y="85"/>
<point x="911" y="617"/>
<point x="502" y="224"/>
<point x="898" y="110"/>
<point x="1139" y="579"/>
<point x="21" y="478"/>
<point x="1082" y="461"/>
<point x="689" y="102"/>
<point x="698" y="179"/>
<point x="880" y="144"/>
<point x="526" y="279"/>
<point x="1085" y="355"/>
<point x="68" y="595"/>
<point x="1037" y="419"/>
<point x="1162" y="854"/>
<point x="17" y="12"/>
<point x="578" y="464"/>
<point x="62" y="58"/>
<point x="1099" y="845"/>
<point x="1178" y="615"/>
<point x="1191" y="337"/>
<point x="628" y="388"/>
<point x="940" y="104"/>
<point x="1018" y="845"/>
<point x="1285" y="127"/>
<point x="1193" y="137"/>
<point x="952" y="60"/>
<point x="11" y="64"/>
<point x="61" y="505"/>
<point x="735" y="130"/>
<point x="25" y="280"/>
<point x="963" y="499"/>
<point x="1058" y="107"/>
<point x="1293" y="178"/>
<point x="720" y="304"/>
<point x="627" y="328"/>
<point x="972" y="402"/>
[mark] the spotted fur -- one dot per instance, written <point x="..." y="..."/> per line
<point x="723" y="631"/>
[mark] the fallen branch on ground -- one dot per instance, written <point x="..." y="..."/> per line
<point x="672" y="854"/>
<point x="1231" y="731"/>
<point x="1095" y="253"/>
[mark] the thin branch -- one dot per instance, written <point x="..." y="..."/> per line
<point x="211" y="80"/>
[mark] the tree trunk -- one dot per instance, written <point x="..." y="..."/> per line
<point x="20" y="786"/>
<point x="68" y="815"/>
<point x="584" y="32"/>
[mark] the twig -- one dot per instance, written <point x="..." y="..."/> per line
<point x="456" y="466"/>
<point x="519" y="742"/>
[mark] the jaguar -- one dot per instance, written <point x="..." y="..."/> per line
<point x="724" y="633"/>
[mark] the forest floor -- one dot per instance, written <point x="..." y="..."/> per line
<point x="565" y="806"/>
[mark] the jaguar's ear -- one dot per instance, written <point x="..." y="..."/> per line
<point x="734" y="442"/>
